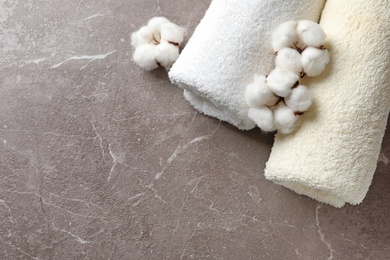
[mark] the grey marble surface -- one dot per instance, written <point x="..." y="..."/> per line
<point x="101" y="160"/>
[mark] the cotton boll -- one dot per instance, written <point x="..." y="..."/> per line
<point x="285" y="35"/>
<point x="172" y="33"/>
<point x="263" y="118"/>
<point x="300" y="99"/>
<point x="156" y="24"/>
<point x="142" y="36"/>
<point x="166" y="54"/>
<point x="310" y="34"/>
<point x="281" y="81"/>
<point x="158" y="21"/>
<point x="144" y="55"/>
<point x="134" y="39"/>
<point x="289" y="59"/>
<point x="285" y="119"/>
<point x="314" y="61"/>
<point x="259" y="94"/>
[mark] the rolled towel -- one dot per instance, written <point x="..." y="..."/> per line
<point x="333" y="156"/>
<point x="230" y="45"/>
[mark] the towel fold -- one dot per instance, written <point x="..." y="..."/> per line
<point x="230" y="45"/>
<point x="333" y="156"/>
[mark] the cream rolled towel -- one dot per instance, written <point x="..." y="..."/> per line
<point x="333" y="156"/>
<point x="230" y="45"/>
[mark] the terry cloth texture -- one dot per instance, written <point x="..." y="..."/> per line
<point x="230" y="45"/>
<point x="333" y="156"/>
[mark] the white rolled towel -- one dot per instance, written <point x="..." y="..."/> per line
<point x="230" y="45"/>
<point x="333" y="156"/>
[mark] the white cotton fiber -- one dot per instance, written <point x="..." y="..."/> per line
<point x="157" y="44"/>
<point x="263" y="118"/>
<point x="285" y="119"/>
<point x="145" y="56"/>
<point x="310" y="34"/>
<point x="281" y="81"/>
<point x="259" y="94"/>
<point x="158" y="21"/>
<point x="134" y="39"/>
<point x="285" y="35"/>
<point x="300" y="99"/>
<point x="289" y="59"/>
<point x="299" y="50"/>
<point x="156" y="24"/>
<point x="166" y="54"/>
<point x="314" y="61"/>
<point x="172" y="33"/>
<point x="142" y="36"/>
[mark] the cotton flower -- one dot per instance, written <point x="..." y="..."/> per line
<point x="263" y="118"/>
<point x="281" y="81"/>
<point x="158" y="21"/>
<point x="172" y="33"/>
<point x="142" y="36"/>
<point x="310" y="34"/>
<point x="299" y="51"/>
<point x="166" y="54"/>
<point x="289" y="59"/>
<point x="299" y="100"/>
<point x="157" y="43"/>
<point x="156" y="24"/>
<point x="285" y="35"/>
<point x="314" y="61"/>
<point x="259" y="94"/>
<point x="285" y="119"/>
<point x="145" y="56"/>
